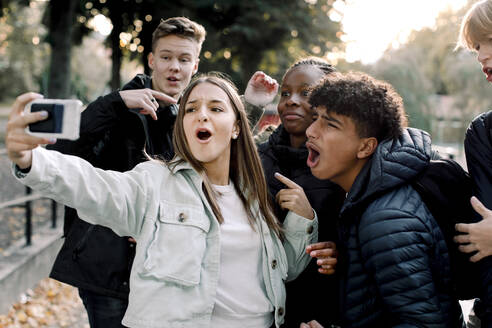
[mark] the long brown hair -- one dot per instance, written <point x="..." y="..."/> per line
<point x="245" y="168"/>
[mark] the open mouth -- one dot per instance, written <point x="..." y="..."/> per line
<point x="313" y="157"/>
<point x="172" y="79"/>
<point x="488" y="73"/>
<point x="203" y="134"/>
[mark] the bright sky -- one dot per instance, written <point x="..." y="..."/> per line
<point x="372" y="25"/>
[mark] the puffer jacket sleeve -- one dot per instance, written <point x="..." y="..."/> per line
<point x="395" y="248"/>
<point x="109" y="198"/>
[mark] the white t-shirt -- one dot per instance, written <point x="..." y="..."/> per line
<point x="241" y="299"/>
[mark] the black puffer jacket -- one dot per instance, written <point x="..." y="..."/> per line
<point x="393" y="258"/>
<point x="111" y="137"/>
<point x="326" y="198"/>
<point x="478" y="150"/>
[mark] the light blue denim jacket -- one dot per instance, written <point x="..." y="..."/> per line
<point x="175" y="273"/>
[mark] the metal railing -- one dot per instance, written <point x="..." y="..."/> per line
<point x="26" y="203"/>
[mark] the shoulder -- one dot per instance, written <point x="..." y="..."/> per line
<point x="266" y="154"/>
<point x="401" y="210"/>
<point x="479" y="135"/>
<point x="154" y="169"/>
<point x="138" y="82"/>
<point x="264" y="147"/>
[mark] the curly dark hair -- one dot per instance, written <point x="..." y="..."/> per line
<point x="375" y="107"/>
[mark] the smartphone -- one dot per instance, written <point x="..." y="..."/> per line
<point x="63" y="121"/>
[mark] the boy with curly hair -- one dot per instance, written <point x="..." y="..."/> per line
<point x="393" y="261"/>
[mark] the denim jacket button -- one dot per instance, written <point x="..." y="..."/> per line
<point x="310" y="229"/>
<point x="274" y="264"/>
<point x="280" y="311"/>
<point x="181" y="217"/>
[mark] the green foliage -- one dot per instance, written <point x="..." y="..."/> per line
<point x="22" y="52"/>
<point x="242" y="36"/>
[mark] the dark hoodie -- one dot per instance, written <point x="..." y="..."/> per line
<point x="326" y="198"/>
<point x="478" y="150"/>
<point x="394" y="260"/>
<point x="112" y="137"/>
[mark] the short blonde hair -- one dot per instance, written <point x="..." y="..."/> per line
<point x="182" y="27"/>
<point x="476" y="26"/>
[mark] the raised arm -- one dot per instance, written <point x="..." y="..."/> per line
<point x="117" y="200"/>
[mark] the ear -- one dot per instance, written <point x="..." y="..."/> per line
<point x="195" y="67"/>
<point x="150" y="60"/>
<point x="235" y="130"/>
<point x="367" y="147"/>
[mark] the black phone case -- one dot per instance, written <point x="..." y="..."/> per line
<point x="53" y="123"/>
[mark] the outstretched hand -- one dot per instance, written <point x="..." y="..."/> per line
<point x="476" y="237"/>
<point x="19" y="143"/>
<point x="326" y="254"/>
<point x="293" y="199"/>
<point x="146" y="100"/>
<point x="261" y="89"/>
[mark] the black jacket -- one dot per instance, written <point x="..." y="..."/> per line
<point x="112" y="137"/>
<point x="478" y="150"/>
<point x="326" y="198"/>
<point x="393" y="257"/>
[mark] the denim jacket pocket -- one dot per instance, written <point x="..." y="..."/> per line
<point x="178" y="245"/>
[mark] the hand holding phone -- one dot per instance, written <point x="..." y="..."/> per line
<point x="63" y="121"/>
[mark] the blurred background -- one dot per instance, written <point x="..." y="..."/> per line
<point x="86" y="48"/>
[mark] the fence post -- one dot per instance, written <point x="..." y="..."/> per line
<point x="28" y="218"/>
<point x="53" y="214"/>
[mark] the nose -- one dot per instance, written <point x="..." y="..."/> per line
<point x="174" y="65"/>
<point x="311" y="130"/>
<point x="484" y="53"/>
<point x="293" y="100"/>
<point x="202" y="115"/>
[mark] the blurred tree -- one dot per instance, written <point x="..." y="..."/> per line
<point x="427" y="67"/>
<point x="61" y="20"/>
<point x="242" y="36"/>
<point x="22" y="52"/>
<point x="402" y="68"/>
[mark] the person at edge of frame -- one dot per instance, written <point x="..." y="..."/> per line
<point x="476" y="238"/>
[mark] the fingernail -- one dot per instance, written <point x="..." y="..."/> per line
<point x="52" y="140"/>
<point x="43" y="113"/>
<point x="314" y="254"/>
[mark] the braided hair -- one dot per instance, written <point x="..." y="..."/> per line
<point x="318" y="62"/>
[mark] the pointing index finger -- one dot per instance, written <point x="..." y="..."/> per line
<point x="286" y="181"/>
<point x="163" y="97"/>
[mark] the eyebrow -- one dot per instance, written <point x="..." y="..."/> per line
<point x="331" y="119"/>
<point x="291" y="86"/>
<point x="211" y="101"/>
<point x="171" y="52"/>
